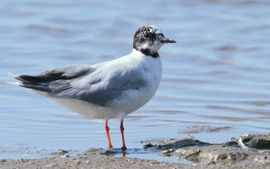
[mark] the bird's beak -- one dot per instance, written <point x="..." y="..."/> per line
<point x="166" y="40"/>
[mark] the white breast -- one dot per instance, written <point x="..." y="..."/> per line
<point x="134" y="99"/>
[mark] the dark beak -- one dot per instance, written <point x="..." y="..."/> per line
<point x="166" y="40"/>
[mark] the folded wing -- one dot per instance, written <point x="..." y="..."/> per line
<point x="86" y="83"/>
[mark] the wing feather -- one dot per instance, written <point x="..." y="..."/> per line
<point x="102" y="91"/>
<point x="94" y="84"/>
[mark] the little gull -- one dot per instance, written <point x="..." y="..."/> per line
<point x="109" y="89"/>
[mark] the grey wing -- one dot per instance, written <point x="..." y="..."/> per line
<point x="99" y="91"/>
<point x="86" y="83"/>
<point x="42" y="82"/>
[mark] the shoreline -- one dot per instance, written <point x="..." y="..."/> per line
<point x="247" y="151"/>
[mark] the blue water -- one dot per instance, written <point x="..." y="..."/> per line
<point x="216" y="75"/>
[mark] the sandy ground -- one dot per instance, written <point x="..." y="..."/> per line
<point x="104" y="162"/>
<point x="110" y="162"/>
<point x="245" y="152"/>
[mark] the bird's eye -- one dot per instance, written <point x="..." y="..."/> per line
<point x="151" y="36"/>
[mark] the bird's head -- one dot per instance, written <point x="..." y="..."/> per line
<point x="149" y="39"/>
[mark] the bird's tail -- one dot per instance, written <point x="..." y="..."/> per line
<point x="28" y="81"/>
<point x="17" y="83"/>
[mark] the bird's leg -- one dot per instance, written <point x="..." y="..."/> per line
<point x="108" y="134"/>
<point x="123" y="137"/>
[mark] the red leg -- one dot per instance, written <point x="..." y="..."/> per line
<point x="108" y="134"/>
<point x="123" y="137"/>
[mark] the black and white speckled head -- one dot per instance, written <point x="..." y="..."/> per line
<point x="149" y="39"/>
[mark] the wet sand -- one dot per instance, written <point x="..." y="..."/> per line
<point x="108" y="162"/>
<point x="86" y="162"/>
<point x="247" y="151"/>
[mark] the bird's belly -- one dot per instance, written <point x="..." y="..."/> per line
<point x="132" y="100"/>
<point x="89" y="110"/>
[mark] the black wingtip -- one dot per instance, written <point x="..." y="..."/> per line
<point x="31" y="82"/>
<point x="28" y="79"/>
<point x="18" y="78"/>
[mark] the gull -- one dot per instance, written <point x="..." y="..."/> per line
<point x="111" y="89"/>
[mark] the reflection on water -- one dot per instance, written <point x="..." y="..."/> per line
<point x="217" y="75"/>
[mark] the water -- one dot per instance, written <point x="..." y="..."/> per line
<point x="216" y="75"/>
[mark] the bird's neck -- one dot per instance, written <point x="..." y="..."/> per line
<point x="146" y="52"/>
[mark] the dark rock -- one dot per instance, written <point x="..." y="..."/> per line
<point x="164" y="144"/>
<point x="256" y="141"/>
<point x="259" y="141"/>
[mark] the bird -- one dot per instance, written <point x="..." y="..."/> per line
<point x="110" y="89"/>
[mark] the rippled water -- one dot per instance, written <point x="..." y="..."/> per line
<point x="216" y="75"/>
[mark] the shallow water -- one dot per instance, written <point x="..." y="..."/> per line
<point x="216" y="75"/>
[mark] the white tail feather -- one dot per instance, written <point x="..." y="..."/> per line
<point x="12" y="74"/>
<point x="17" y="83"/>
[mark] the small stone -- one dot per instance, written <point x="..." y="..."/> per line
<point x="148" y="145"/>
<point x="3" y="161"/>
<point x="167" y="152"/>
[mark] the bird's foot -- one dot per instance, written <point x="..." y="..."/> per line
<point x="124" y="148"/>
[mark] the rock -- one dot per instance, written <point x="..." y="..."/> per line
<point x="212" y="154"/>
<point x="188" y="154"/>
<point x="165" y="144"/>
<point x="255" y="141"/>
